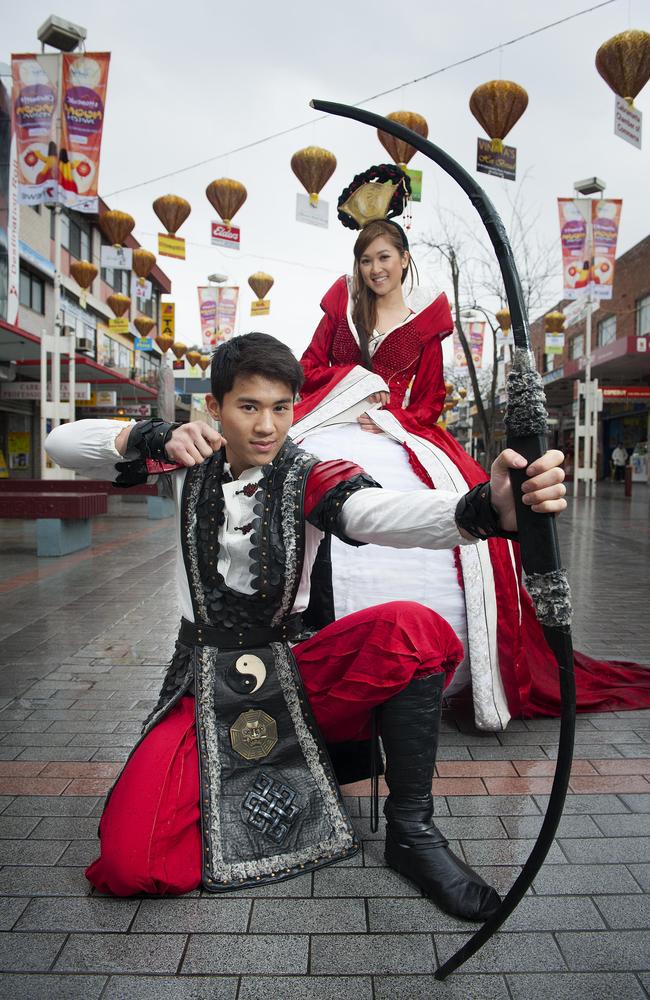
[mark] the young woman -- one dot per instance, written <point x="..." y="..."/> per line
<point x="374" y="390"/>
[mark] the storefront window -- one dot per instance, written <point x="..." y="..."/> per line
<point x="643" y="316"/>
<point x="577" y="346"/>
<point x="606" y="330"/>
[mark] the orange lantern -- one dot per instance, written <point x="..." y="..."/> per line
<point x="226" y="197"/>
<point x="497" y="106"/>
<point x="116" y="226"/>
<point x="144" y="325"/>
<point x="554" y="322"/>
<point x="119" y="303"/>
<point x="83" y="272"/>
<point x="193" y="356"/>
<point x="205" y="361"/>
<point x="624" y="63"/>
<point x="143" y="261"/>
<point x="313" y="167"/>
<point x="172" y="212"/>
<point x="503" y="319"/>
<point x="179" y="349"/>
<point x="401" y="151"/>
<point x="261" y="283"/>
<point x="164" y="341"/>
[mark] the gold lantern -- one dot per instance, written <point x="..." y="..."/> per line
<point x="119" y="303"/>
<point x="179" y="349"/>
<point x="164" y="341"/>
<point x="624" y="63"/>
<point x="143" y="261"/>
<point x="144" y="325"/>
<point x="172" y="212"/>
<point x="116" y="226"/>
<point x="84" y="273"/>
<point x="554" y="322"/>
<point x="401" y="151"/>
<point x="205" y="361"/>
<point x="226" y="197"/>
<point x="261" y="283"/>
<point x="503" y="319"/>
<point x="497" y="106"/>
<point x="313" y="167"/>
<point x="193" y="356"/>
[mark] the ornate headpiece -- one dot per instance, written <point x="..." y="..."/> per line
<point x="378" y="193"/>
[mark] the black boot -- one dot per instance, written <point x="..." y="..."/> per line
<point x="410" y="725"/>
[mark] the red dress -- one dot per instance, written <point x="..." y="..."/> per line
<point x="513" y="661"/>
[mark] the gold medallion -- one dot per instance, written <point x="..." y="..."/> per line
<point x="253" y="734"/>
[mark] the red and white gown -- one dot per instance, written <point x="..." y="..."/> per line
<point x="511" y="671"/>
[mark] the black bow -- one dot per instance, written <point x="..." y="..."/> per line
<point x="540" y="555"/>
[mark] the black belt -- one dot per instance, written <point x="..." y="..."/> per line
<point x="193" y="634"/>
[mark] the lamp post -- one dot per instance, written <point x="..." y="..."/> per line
<point x="588" y="402"/>
<point x="65" y="37"/>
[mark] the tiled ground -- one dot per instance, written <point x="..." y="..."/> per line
<point x="83" y="641"/>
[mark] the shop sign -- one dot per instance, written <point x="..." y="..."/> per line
<point x="101" y="399"/>
<point x="117" y="258"/>
<point x="221" y="236"/>
<point x="119" y="324"/>
<point x="489" y="161"/>
<point x="171" y="246"/>
<point x="614" y="392"/>
<point x="627" y="122"/>
<point x="32" y="390"/>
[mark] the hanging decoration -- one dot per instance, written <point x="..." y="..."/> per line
<point x="84" y="273"/>
<point x="116" y="226"/>
<point x="624" y="64"/>
<point x="261" y="284"/>
<point x="204" y="362"/>
<point x="226" y="197"/>
<point x="142" y="264"/>
<point x="178" y="349"/>
<point x="193" y="356"/>
<point x="554" y="329"/>
<point x="313" y="166"/>
<point x="144" y="325"/>
<point x="497" y="106"/>
<point x="172" y="210"/>
<point x="120" y="304"/>
<point x="402" y="152"/>
<point x="504" y="333"/>
<point x="164" y="341"/>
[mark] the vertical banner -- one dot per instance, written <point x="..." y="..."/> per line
<point x="9" y="214"/>
<point x="85" y="78"/>
<point x="36" y="110"/>
<point x="218" y="313"/>
<point x="208" y="295"/>
<point x="605" y="220"/>
<point x="227" y="312"/>
<point x="589" y="232"/>
<point x="475" y="334"/>
<point x="58" y="115"/>
<point x="167" y="319"/>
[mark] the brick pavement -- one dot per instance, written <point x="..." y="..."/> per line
<point x="78" y="672"/>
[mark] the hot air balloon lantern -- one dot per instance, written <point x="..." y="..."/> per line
<point x="226" y="197"/>
<point x="505" y="326"/>
<point x="497" y="106"/>
<point x="313" y="166"/>
<point x="116" y="226"/>
<point x="119" y="303"/>
<point x="142" y="263"/>
<point x="400" y="151"/>
<point x="84" y="273"/>
<point x="205" y="361"/>
<point x="144" y="325"/>
<point x="193" y="356"/>
<point x="164" y="341"/>
<point x="261" y="284"/>
<point x="172" y="211"/>
<point x="178" y="349"/>
<point x="554" y="322"/>
<point x="624" y="63"/>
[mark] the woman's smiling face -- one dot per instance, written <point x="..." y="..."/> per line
<point x="382" y="266"/>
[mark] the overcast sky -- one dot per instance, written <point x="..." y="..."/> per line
<point x="190" y="81"/>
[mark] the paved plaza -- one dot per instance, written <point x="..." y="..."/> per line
<point x="83" y="644"/>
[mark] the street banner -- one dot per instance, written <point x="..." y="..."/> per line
<point x="167" y="310"/>
<point x="313" y="215"/>
<point x="488" y="161"/>
<point x="588" y="233"/>
<point x="227" y="312"/>
<point x="85" y="78"/>
<point x="171" y="246"/>
<point x="475" y="335"/>
<point x="627" y="122"/>
<point x="260" y="307"/>
<point x="141" y="290"/>
<point x="9" y="213"/>
<point x="58" y="119"/>
<point x="217" y="313"/>
<point x="117" y="258"/>
<point x="119" y="324"/>
<point x="221" y="236"/>
<point x="416" y="183"/>
<point x="554" y="343"/>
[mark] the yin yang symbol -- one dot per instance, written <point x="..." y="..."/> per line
<point x="247" y="674"/>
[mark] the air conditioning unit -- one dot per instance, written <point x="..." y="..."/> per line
<point x="85" y="346"/>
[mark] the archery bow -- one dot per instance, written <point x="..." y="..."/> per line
<point x="540" y="555"/>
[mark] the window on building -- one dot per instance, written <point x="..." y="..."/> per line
<point x="79" y="239"/>
<point x="32" y="292"/>
<point x="606" y="330"/>
<point x="577" y="346"/>
<point x="117" y="279"/>
<point x="643" y="316"/>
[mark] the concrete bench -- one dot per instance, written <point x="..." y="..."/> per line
<point x="63" y="520"/>
<point x="157" y="507"/>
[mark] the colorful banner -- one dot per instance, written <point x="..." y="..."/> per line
<point x="554" y="343"/>
<point x="218" y="313"/>
<point x="488" y="161"/>
<point x="171" y="246"/>
<point x="588" y="233"/>
<point x="475" y="335"/>
<point x="58" y="119"/>
<point x="221" y="236"/>
<point x="167" y="319"/>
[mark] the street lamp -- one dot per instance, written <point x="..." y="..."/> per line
<point x="217" y="279"/>
<point x="62" y="35"/>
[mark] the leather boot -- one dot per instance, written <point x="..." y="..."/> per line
<point x="410" y="725"/>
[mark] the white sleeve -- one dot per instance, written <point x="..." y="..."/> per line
<point x="87" y="445"/>
<point x="418" y="519"/>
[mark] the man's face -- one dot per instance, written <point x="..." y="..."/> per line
<point x="255" y="419"/>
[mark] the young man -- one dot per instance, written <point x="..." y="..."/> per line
<point x="231" y="784"/>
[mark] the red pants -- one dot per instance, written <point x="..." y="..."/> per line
<point x="150" y="829"/>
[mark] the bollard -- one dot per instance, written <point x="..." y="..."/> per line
<point x="628" y="480"/>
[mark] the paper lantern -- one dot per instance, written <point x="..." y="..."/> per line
<point x="119" y="303"/>
<point x="503" y="319"/>
<point x="624" y="63"/>
<point x="144" y="325"/>
<point x="313" y="167"/>
<point x="205" y="361"/>
<point x="164" y="341"/>
<point x="172" y="212"/>
<point x="179" y="349"/>
<point x="143" y="261"/>
<point x="497" y="106"/>
<point x="193" y="356"/>
<point x="401" y="151"/>
<point x="83" y="272"/>
<point x="554" y="322"/>
<point x="116" y="226"/>
<point x="226" y="197"/>
<point x="261" y="283"/>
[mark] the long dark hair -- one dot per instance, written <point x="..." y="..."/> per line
<point x="364" y="300"/>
